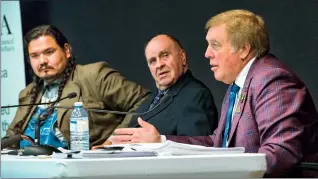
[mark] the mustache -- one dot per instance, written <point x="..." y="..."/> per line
<point x="44" y="67"/>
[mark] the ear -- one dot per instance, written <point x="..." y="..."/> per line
<point x="67" y="50"/>
<point x="245" y="50"/>
<point x="183" y="57"/>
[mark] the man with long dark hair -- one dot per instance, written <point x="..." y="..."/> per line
<point x="55" y="76"/>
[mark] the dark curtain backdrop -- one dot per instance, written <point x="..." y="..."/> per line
<point x="116" y="31"/>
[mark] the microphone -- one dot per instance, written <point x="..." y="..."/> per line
<point x="163" y="100"/>
<point x="36" y="149"/>
<point x="37" y="127"/>
<point x="70" y="95"/>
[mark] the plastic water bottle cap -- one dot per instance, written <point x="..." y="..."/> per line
<point x="78" y="104"/>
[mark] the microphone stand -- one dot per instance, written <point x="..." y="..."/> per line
<point x="122" y="112"/>
<point x="39" y="149"/>
<point x="22" y="105"/>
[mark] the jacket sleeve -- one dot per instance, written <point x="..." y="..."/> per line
<point x="18" y="116"/>
<point x="199" y="115"/>
<point x="207" y="141"/>
<point x="280" y="111"/>
<point x="119" y="93"/>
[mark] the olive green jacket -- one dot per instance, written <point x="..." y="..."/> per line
<point x="97" y="86"/>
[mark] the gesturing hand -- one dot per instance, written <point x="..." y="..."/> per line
<point x="147" y="133"/>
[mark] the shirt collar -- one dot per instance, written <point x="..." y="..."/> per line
<point x="54" y="83"/>
<point x="240" y="79"/>
<point x="163" y="91"/>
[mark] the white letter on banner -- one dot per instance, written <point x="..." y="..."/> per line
<point x="12" y="60"/>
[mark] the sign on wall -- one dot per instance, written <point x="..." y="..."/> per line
<point x="12" y="60"/>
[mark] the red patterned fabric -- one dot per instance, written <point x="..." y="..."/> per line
<point x="275" y="115"/>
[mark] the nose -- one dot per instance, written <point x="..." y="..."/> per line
<point x="43" y="59"/>
<point x="160" y="64"/>
<point x="209" y="53"/>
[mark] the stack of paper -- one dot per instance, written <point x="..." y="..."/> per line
<point x="148" y="149"/>
<point x="103" y="153"/>
<point x="116" y="154"/>
<point x="174" y="148"/>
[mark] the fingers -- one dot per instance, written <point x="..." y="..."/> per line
<point x="125" y="135"/>
<point x="144" y="124"/>
<point x="122" y="138"/>
<point x="125" y="131"/>
<point x="25" y="137"/>
<point x="97" y="147"/>
<point x="107" y="142"/>
<point x="133" y="141"/>
<point x="126" y="142"/>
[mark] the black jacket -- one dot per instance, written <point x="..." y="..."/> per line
<point x="187" y="109"/>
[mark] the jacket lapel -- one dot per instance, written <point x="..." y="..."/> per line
<point x="70" y="87"/>
<point x="240" y="107"/>
<point x="242" y="98"/>
<point x="164" y="102"/>
<point x="24" y="110"/>
<point x="143" y="108"/>
<point x="219" y="134"/>
<point x="167" y="99"/>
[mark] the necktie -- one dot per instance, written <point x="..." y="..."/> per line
<point x="233" y="92"/>
<point x="155" y="101"/>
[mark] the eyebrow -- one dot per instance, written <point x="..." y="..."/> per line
<point x="43" y="51"/>
<point x="163" y="52"/>
<point x="151" y="59"/>
<point x="214" y="41"/>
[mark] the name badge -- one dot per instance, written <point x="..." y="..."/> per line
<point x="242" y="98"/>
<point x="238" y="109"/>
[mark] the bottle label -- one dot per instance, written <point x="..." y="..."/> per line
<point x="79" y="124"/>
<point x="82" y="125"/>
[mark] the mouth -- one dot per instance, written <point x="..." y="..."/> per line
<point x="45" y="69"/>
<point x="213" y="67"/>
<point x="163" y="73"/>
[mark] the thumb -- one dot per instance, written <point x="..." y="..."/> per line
<point x="97" y="147"/>
<point x="144" y="124"/>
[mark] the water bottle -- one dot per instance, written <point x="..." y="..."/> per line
<point x="79" y="129"/>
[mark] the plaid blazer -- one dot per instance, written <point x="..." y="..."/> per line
<point x="275" y="115"/>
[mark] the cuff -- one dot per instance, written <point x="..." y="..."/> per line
<point x="163" y="139"/>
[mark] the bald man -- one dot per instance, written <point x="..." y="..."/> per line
<point x="180" y="105"/>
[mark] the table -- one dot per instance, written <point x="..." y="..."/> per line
<point x="195" y="166"/>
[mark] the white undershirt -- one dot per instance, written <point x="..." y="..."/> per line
<point x="239" y="81"/>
